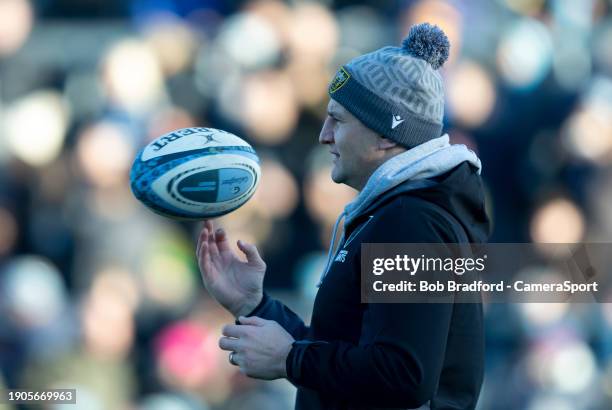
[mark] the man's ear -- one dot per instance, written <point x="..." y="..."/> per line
<point x="386" y="143"/>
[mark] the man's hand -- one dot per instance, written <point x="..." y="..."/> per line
<point x="261" y="347"/>
<point x="237" y="285"/>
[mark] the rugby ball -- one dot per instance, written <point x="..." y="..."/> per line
<point x="195" y="173"/>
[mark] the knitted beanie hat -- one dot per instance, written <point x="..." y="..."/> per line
<point x="397" y="91"/>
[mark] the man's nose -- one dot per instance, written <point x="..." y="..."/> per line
<point x="327" y="133"/>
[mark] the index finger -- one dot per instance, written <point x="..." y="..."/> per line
<point x="234" y="330"/>
<point x="202" y="237"/>
<point x="209" y="224"/>
<point x="200" y="234"/>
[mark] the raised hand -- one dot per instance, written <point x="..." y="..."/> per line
<point x="237" y="285"/>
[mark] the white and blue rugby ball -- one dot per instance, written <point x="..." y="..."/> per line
<point x="195" y="173"/>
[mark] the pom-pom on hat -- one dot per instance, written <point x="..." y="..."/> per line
<point x="397" y="91"/>
<point x="428" y="43"/>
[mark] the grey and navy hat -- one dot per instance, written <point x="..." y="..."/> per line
<point x="397" y="91"/>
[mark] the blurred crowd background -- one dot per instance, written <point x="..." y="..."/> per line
<point x="99" y="294"/>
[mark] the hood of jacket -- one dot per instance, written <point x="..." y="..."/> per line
<point x="459" y="192"/>
<point x="421" y="168"/>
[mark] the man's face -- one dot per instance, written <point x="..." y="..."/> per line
<point x="353" y="146"/>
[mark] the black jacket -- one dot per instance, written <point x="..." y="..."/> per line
<point x="387" y="355"/>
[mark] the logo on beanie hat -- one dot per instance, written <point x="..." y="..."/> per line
<point x="397" y="120"/>
<point x="339" y="80"/>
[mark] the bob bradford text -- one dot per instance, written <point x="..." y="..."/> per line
<point x="480" y="286"/>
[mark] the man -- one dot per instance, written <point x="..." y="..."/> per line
<point x="383" y="130"/>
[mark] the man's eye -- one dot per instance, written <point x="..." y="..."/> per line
<point x="334" y="118"/>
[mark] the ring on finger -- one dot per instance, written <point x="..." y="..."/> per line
<point x="231" y="359"/>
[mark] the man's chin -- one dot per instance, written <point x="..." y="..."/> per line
<point x="337" y="177"/>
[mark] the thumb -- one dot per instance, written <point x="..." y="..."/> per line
<point x="251" y="253"/>
<point x="252" y="320"/>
